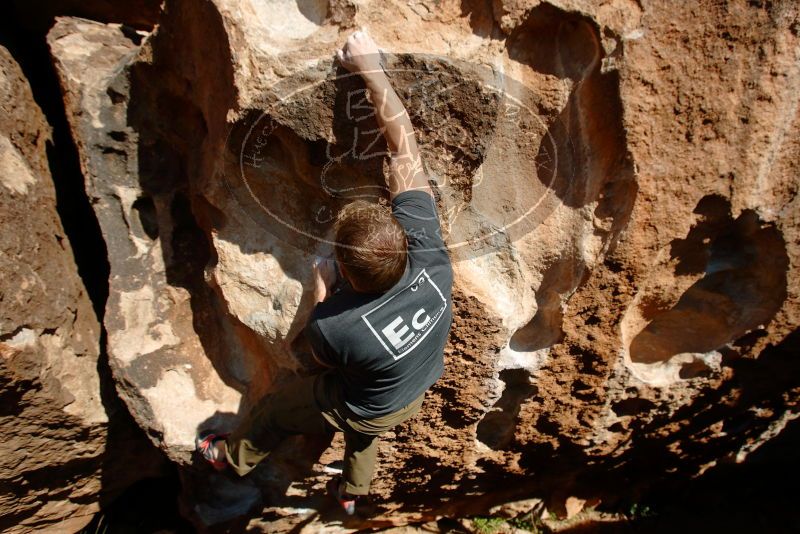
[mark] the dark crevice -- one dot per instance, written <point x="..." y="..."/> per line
<point x="146" y="209"/>
<point x="632" y="406"/>
<point x="149" y="505"/>
<point x="497" y="427"/>
<point x="133" y="14"/>
<point x="28" y="46"/>
<point x="13" y="333"/>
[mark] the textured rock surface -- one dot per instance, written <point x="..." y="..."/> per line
<point x="617" y="181"/>
<point x="158" y="360"/>
<point x="69" y="445"/>
<point x="53" y="422"/>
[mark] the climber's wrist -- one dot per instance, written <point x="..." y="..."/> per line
<point x="374" y="79"/>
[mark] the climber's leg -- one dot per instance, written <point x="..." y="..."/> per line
<point x="361" y="445"/>
<point x="291" y="410"/>
<point x="360" y="453"/>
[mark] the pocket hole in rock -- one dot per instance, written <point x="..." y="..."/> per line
<point x="744" y="263"/>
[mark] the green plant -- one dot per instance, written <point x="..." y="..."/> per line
<point x="487" y="525"/>
<point x="524" y="523"/>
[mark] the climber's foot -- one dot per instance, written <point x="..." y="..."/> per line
<point x="211" y="447"/>
<point x="345" y="500"/>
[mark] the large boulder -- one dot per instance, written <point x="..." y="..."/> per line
<point x="55" y="466"/>
<point x="617" y="185"/>
<point x="156" y="351"/>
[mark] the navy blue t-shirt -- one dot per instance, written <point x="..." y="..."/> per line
<point x="387" y="348"/>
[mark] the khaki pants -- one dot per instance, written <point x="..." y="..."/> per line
<point x="313" y="405"/>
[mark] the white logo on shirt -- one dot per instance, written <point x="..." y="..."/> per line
<point x="405" y="330"/>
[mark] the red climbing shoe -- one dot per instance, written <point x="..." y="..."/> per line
<point x="345" y="500"/>
<point x="204" y="443"/>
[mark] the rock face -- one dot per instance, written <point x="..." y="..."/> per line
<point x="617" y="183"/>
<point x="156" y="353"/>
<point x="53" y="421"/>
<point x="69" y="445"/>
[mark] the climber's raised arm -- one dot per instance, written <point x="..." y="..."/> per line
<point x="360" y="55"/>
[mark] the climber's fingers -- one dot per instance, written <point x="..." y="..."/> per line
<point x="359" y="53"/>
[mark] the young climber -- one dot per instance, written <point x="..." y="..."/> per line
<point x="382" y="331"/>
